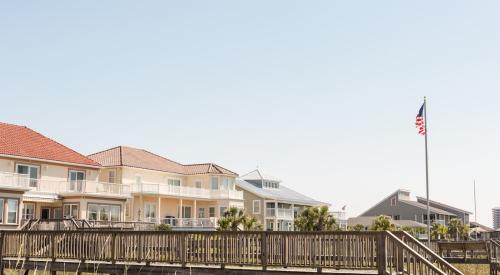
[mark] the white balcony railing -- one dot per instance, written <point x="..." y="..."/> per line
<point x="185" y="222"/>
<point x="63" y="186"/>
<point x="183" y="191"/>
<point x="280" y="213"/>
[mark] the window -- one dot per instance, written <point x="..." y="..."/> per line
<point x="112" y="176"/>
<point x="211" y="212"/>
<point x="256" y="206"/>
<point x="397" y="217"/>
<point x="76" y="179"/>
<point x="393" y="201"/>
<point x="150" y="211"/>
<point x="28" y="211"/>
<point x="201" y="213"/>
<point x="12" y="210"/>
<point x="186" y="212"/>
<point x="70" y="211"/>
<point x="225" y="183"/>
<point x="215" y="183"/>
<point x="103" y="212"/>
<point x="198" y="184"/>
<point x="31" y="173"/>
<point x="138" y="179"/>
<point x="222" y="210"/>
<point x="172" y="182"/>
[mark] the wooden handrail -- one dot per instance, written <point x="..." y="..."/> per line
<point x="428" y="253"/>
<point x="406" y="260"/>
<point x="338" y="250"/>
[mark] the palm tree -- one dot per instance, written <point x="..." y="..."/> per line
<point x="383" y="223"/>
<point x="438" y="231"/>
<point x="251" y="224"/>
<point x="235" y="218"/>
<point x="455" y="228"/>
<point x="315" y="219"/>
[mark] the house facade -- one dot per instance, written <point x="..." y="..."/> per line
<point x="165" y="191"/>
<point x="270" y="202"/>
<point x="399" y="206"/>
<point x="43" y="179"/>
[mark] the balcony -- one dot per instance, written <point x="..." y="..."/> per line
<point x="183" y="191"/>
<point x="281" y="213"/>
<point x="63" y="187"/>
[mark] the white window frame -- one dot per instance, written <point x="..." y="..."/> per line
<point x="393" y="201"/>
<point x="253" y="206"/>
<point x="201" y="213"/>
<point x="172" y="181"/>
<point x="109" y="207"/>
<point x="198" y="184"/>
<point x="32" y="215"/>
<point x="76" y="185"/>
<point x="221" y="213"/>
<point x="38" y="167"/>
<point x="112" y="177"/>
<point x="71" y="209"/>
<point x="151" y="206"/>
<point x="2" y="212"/>
<point x="210" y="212"/>
<point x="216" y="182"/>
<point x="16" y="210"/>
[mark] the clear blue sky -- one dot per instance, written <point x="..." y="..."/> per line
<point x="322" y="94"/>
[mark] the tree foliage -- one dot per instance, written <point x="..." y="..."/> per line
<point x="383" y="223"/>
<point x="315" y="219"/>
<point x="235" y="219"/>
<point x="438" y="231"/>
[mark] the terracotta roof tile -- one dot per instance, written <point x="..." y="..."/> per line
<point x="21" y="141"/>
<point x="139" y="158"/>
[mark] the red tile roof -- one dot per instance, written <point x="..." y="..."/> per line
<point x="139" y="158"/>
<point x="21" y="141"/>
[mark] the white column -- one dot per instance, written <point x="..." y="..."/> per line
<point x="195" y="210"/>
<point x="293" y="218"/>
<point x="140" y="213"/>
<point x="275" y="216"/>
<point x="158" y="207"/>
<point x="180" y="208"/>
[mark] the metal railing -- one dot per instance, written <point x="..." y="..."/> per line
<point x="281" y="213"/>
<point x="190" y="222"/>
<point x="57" y="186"/>
<point x="185" y="191"/>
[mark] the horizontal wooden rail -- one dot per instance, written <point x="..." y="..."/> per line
<point x="340" y="250"/>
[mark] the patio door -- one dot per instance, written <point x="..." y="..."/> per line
<point x="185" y="213"/>
<point x="45" y="215"/>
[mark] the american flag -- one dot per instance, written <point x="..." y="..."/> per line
<point x="420" y="122"/>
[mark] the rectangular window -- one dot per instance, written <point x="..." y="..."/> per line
<point x="256" y="206"/>
<point x="186" y="212"/>
<point x="31" y="173"/>
<point x="225" y="183"/>
<point x="222" y="210"/>
<point x="215" y="183"/>
<point x="111" y="176"/>
<point x="138" y="179"/>
<point x="201" y="213"/>
<point x="103" y="212"/>
<point x="211" y="212"/>
<point x="28" y="211"/>
<point x="173" y="182"/>
<point x="70" y="211"/>
<point x="393" y="201"/>
<point x="76" y="179"/>
<point x="12" y="209"/>
<point x="150" y="211"/>
<point x="198" y="184"/>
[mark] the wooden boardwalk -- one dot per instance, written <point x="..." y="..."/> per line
<point x="155" y="252"/>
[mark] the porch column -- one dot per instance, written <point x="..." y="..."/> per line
<point x="195" y="210"/>
<point x="293" y="218"/>
<point x="140" y="213"/>
<point x="180" y="209"/>
<point x="158" y="207"/>
<point x="275" y="216"/>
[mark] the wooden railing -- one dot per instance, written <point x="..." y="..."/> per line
<point x="495" y="250"/>
<point x="427" y="253"/>
<point x="380" y="251"/>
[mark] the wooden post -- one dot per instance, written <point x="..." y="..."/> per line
<point x="263" y="251"/>
<point x="113" y="248"/>
<point x="381" y="253"/>
<point x="400" y="261"/>
<point x="53" y="248"/>
<point x="183" y="248"/>
<point x="2" y="236"/>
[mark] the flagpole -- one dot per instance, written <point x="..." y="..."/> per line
<point x="475" y="206"/>
<point x="427" y="176"/>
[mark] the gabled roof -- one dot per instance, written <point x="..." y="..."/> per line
<point x="21" y="141"/>
<point x="282" y="193"/>
<point x="420" y="199"/>
<point x="484" y="228"/>
<point x="139" y="158"/>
